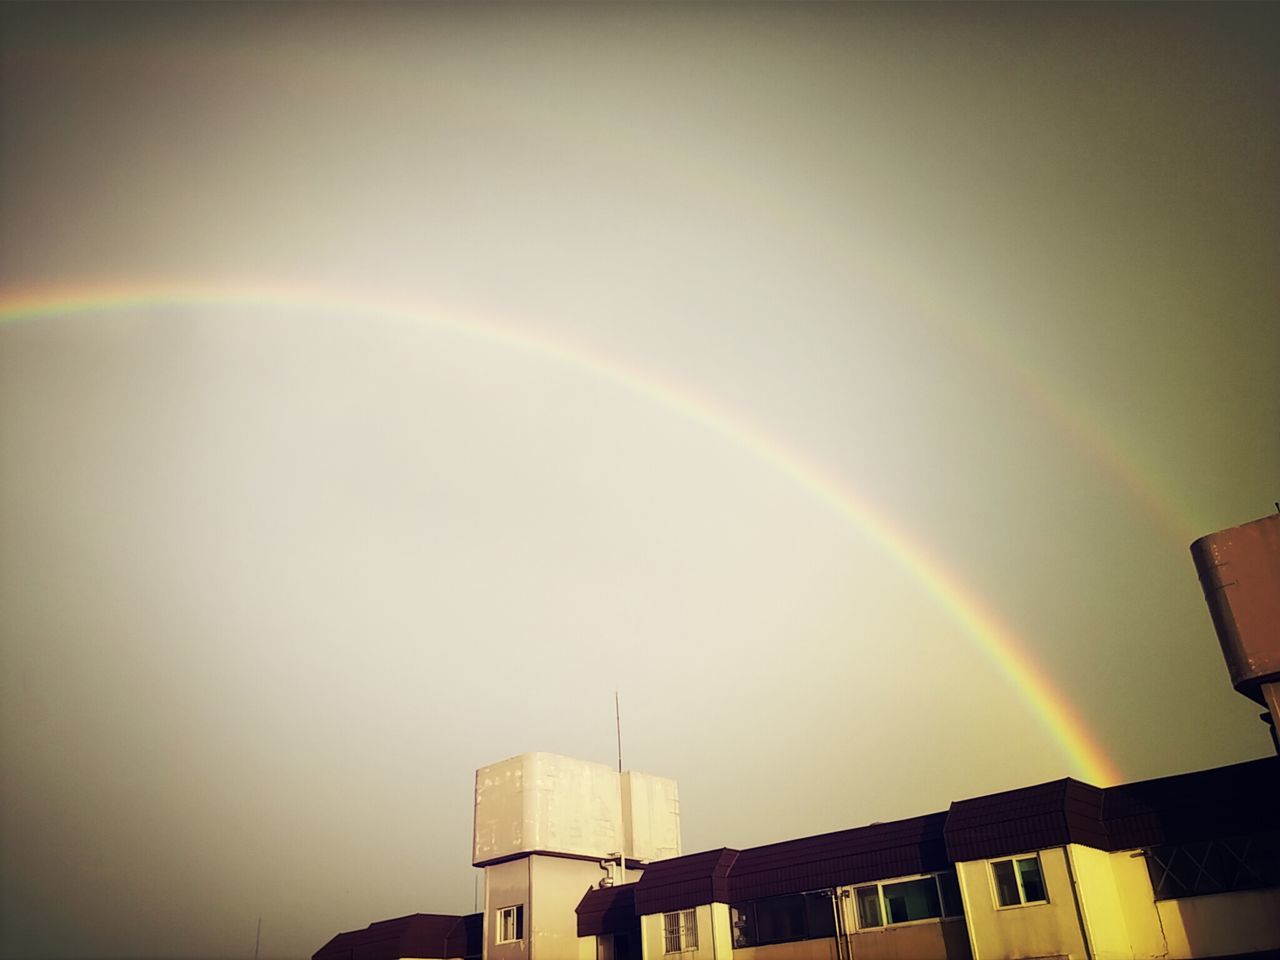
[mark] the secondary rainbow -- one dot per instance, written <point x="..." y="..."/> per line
<point x="1006" y="651"/>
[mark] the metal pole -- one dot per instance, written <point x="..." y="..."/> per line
<point x="622" y="816"/>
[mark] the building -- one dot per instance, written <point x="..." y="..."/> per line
<point x="584" y="862"/>
<point x="1178" y="867"/>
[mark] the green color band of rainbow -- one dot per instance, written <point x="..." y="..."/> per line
<point x="980" y="624"/>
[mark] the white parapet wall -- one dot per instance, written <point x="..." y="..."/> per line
<point x="651" y="814"/>
<point x="546" y="803"/>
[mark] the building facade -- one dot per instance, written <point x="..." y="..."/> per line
<point x="583" y="863"/>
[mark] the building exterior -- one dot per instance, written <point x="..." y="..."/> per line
<point x="1186" y="866"/>
<point x="583" y="862"/>
<point x="548" y="828"/>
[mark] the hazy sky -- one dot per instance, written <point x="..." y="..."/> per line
<point x="276" y="575"/>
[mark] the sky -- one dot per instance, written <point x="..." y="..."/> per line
<point x="382" y="387"/>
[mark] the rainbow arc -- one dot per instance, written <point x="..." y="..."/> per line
<point x="1007" y="652"/>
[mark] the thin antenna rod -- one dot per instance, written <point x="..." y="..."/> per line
<point x="622" y="816"/>
<point x="257" y="939"/>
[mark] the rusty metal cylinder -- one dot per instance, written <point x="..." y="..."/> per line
<point x="1240" y="573"/>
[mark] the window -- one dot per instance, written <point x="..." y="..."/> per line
<point x="906" y="901"/>
<point x="680" y="931"/>
<point x="1018" y="881"/>
<point x="511" y="924"/>
<point x="799" y="916"/>
<point x="1214" y="866"/>
<point x="868" y="907"/>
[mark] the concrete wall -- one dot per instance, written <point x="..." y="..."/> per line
<point x="1049" y="929"/>
<point x="1119" y="910"/>
<point x="1103" y="903"/>
<point x="557" y="887"/>
<point x="505" y="885"/>
<point x="1142" y="920"/>
<point x="799" y="950"/>
<point x="715" y="941"/>
<point x="651" y="816"/>
<point x="1222" y="924"/>
<point x="923" y="940"/>
<point x="1217" y="925"/>
<point x="546" y="802"/>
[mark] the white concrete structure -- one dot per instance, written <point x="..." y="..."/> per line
<point x="546" y="803"/>
<point x="548" y="829"/>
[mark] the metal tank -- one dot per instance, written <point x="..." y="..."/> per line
<point x="1240" y="572"/>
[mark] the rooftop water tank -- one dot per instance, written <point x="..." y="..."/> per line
<point x="1240" y="572"/>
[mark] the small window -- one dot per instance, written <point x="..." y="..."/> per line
<point x="912" y="900"/>
<point x="680" y="931"/>
<point x="869" y="907"/>
<point x="511" y="924"/>
<point x="1018" y="881"/>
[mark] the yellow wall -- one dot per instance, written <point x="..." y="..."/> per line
<point x="1222" y="924"/>
<point x="714" y="937"/>
<point x="1133" y="887"/>
<point x="1124" y="920"/>
<point x="557" y="886"/>
<point x="1217" y="925"/>
<point x="1104" y="909"/>
<point x="1031" y="930"/>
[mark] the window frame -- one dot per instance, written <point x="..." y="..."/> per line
<point x="885" y="922"/>
<point x="747" y="934"/>
<point x="1017" y="877"/>
<point x="516" y="911"/>
<point x="684" y="924"/>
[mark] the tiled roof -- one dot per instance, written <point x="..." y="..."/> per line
<point x="1188" y="807"/>
<point x="685" y="881"/>
<point x="1031" y="818"/>
<point x="1191" y="806"/>
<point x="466" y="939"/>
<point x="427" y="935"/>
<point x="896" y="849"/>
<point x="607" y="910"/>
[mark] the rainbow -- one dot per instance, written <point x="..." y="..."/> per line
<point x="1004" y="649"/>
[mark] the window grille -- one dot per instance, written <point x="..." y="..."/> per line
<point x="1214" y="866"/>
<point x="680" y="931"/>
